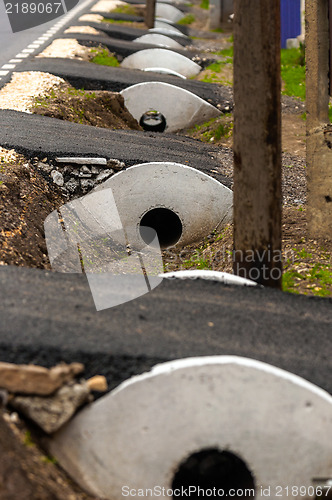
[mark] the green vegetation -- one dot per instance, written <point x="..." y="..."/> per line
<point x="188" y="19"/>
<point x="28" y="441"/>
<point x="301" y="268"/>
<point x="114" y="21"/>
<point x="216" y="129"/>
<point x="125" y="9"/>
<point x="216" y="68"/>
<point x="217" y="30"/>
<point x="104" y="57"/>
<point x="204" y="4"/>
<point x="293" y="72"/>
<point x="49" y="460"/>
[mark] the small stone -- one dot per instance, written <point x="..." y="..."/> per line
<point x="86" y="184"/>
<point x="95" y="170"/>
<point x="97" y="383"/>
<point x="105" y="174"/>
<point x="115" y="164"/>
<point x="57" y="178"/>
<point x="45" y="167"/>
<point x="72" y="185"/>
<point x="53" y="412"/>
<point x="85" y="170"/>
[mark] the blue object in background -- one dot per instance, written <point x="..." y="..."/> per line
<point x="290" y="13"/>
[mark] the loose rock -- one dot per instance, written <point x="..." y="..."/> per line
<point x="31" y="379"/>
<point x="57" y="178"/>
<point x="53" y="412"/>
<point x="97" y="383"/>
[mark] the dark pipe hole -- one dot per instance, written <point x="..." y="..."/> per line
<point x="166" y="224"/>
<point x="328" y="199"/>
<point x="153" y="121"/>
<point x="212" y="468"/>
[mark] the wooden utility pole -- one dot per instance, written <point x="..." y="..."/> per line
<point x="150" y="13"/>
<point x="257" y="141"/>
<point x="319" y="131"/>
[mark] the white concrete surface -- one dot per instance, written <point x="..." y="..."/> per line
<point x="168" y="11"/>
<point x="137" y="436"/>
<point x="165" y="71"/>
<point x="181" y="108"/>
<point x="166" y="25"/>
<point x="163" y="58"/>
<point x="200" y="202"/>
<point x="226" y="278"/>
<point x="169" y="32"/>
<point x="90" y="237"/>
<point x="157" y="39"/>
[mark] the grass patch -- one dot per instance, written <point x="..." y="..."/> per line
<point x="293" y="72"/>
<point x="303" y="270"/>
<point x="205" y="4"/>
<point x="125" y="9"/>
<point x="104" y="57"/>
<point x="114" y="21"/>
<point x="188" y="19"/>
<point x="214" y="130"/>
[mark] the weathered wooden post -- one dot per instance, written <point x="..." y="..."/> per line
<point x="319" y="132"/>
<point x="257" y="141"/>
<point x="150" y="13"/>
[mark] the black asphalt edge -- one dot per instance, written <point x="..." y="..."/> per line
<point x="126" y="32"/>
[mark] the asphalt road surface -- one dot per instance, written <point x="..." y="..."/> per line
<point x="12" y="44"/>
<point x="43" y="136"/>
<point x="46" y="317"/>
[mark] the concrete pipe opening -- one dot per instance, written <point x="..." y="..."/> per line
<point x="212" y="468"/>
<point x="165" y="222"/>
<point x="153" y="121"/>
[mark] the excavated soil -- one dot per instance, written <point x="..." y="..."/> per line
<point x="26" y="199"/>
<point x="99" y="108"/>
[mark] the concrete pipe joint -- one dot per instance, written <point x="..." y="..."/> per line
<point x="180" y="203"/>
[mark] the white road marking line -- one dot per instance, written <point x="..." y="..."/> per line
<point x="46" y="36"/>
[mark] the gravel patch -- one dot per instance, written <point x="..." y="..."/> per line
<point x="292" y="105"/>
<point x="91" y="18"/>
<point x="107" y="5"/>
<point x="293" y="175"/>
<point x="20" y="92"/>
<point x="88" y="30"/>
<point x="66" y="48"/>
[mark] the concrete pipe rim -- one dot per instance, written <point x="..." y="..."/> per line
<point x="153" y="121"/>
<point x="165" y="222"/>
